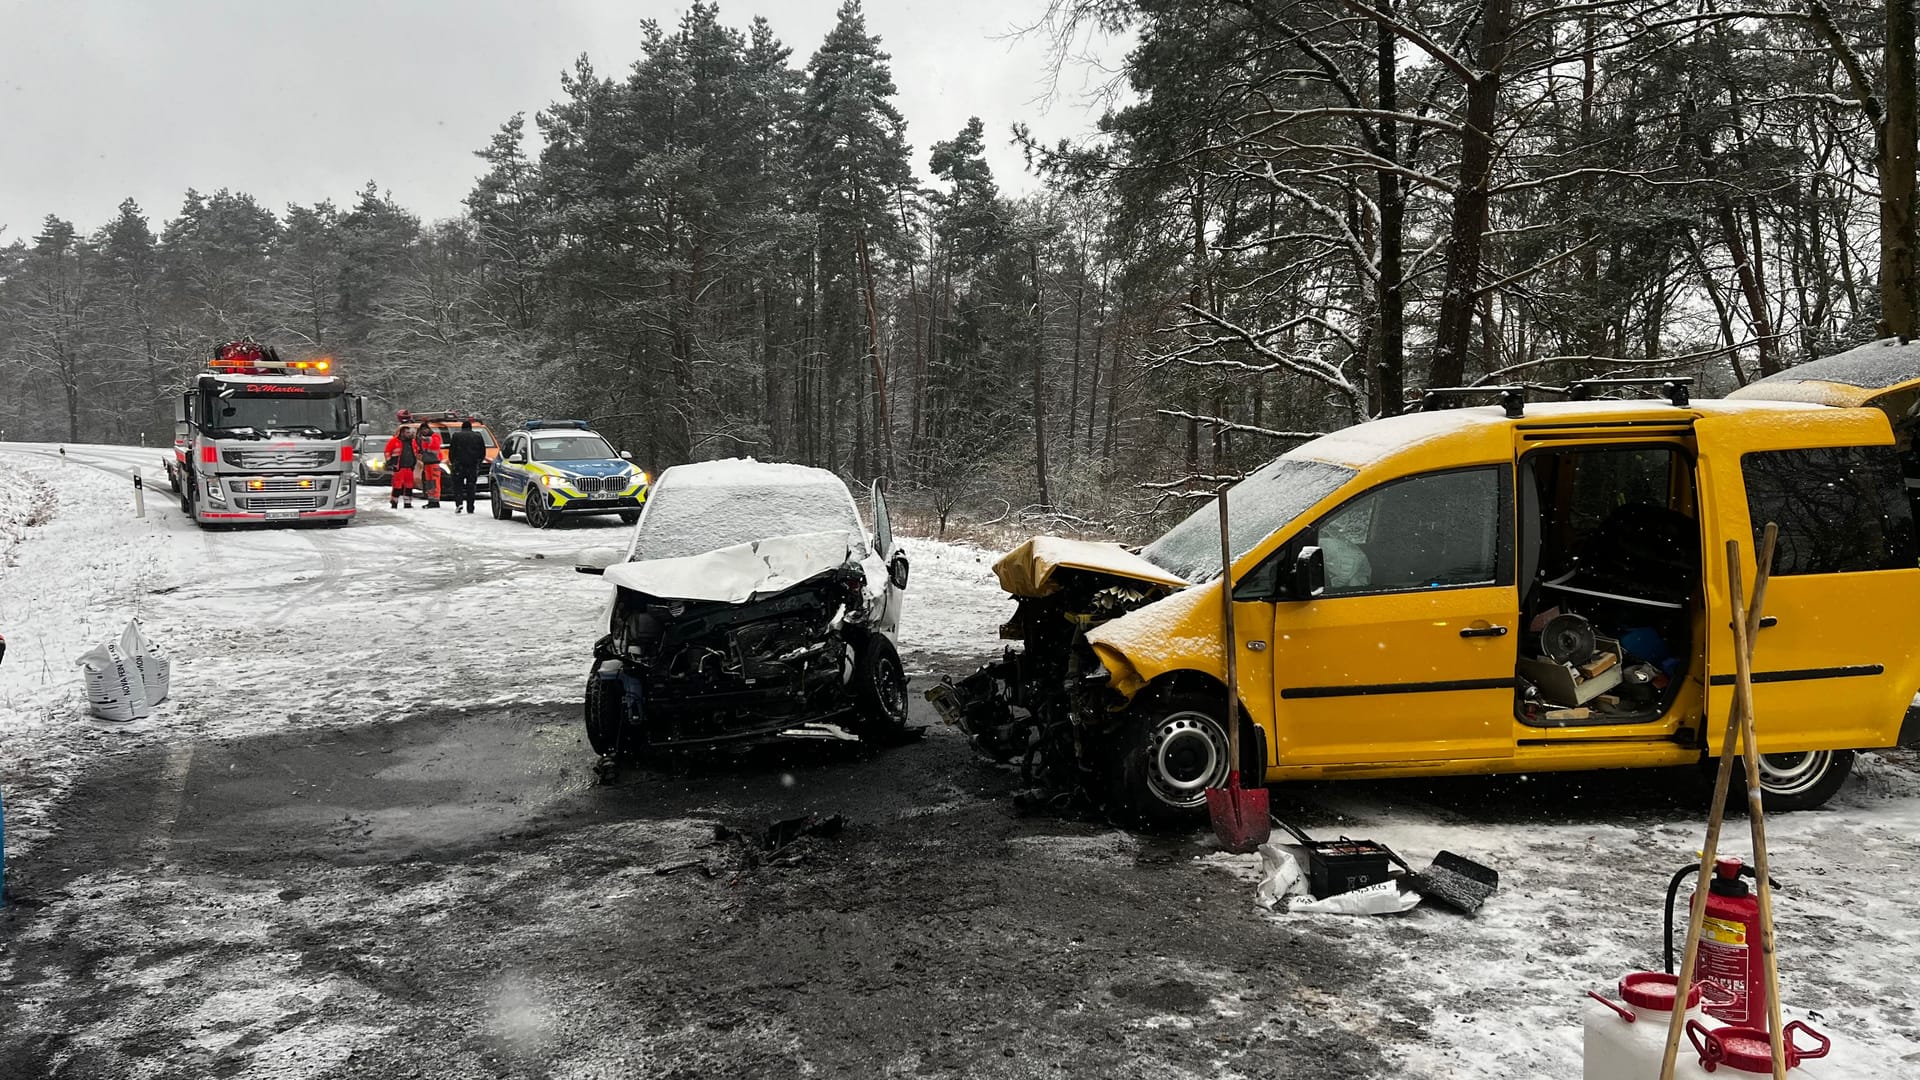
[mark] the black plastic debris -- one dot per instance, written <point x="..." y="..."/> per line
<point x="1456" y="882"/>
<point x="783" y="842"/>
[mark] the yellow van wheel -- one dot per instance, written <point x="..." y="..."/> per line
<point x="1804" y="780"/>
<point x="1169" y="751"/>
<point x="1799" y="780"/>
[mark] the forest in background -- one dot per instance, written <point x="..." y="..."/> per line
<point x="1296" y="214"/>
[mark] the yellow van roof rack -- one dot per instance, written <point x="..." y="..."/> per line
<point x="1511" y="397"/>
<point x="1677" y="389"/>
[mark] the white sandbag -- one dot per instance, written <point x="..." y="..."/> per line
<point x="1280" y="876"/>
<point x="156" y="674"/>
<point x="114" y="689"/>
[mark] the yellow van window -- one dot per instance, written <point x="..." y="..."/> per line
<point x="1840" y="509"/>
<point x="1424" y="532"/>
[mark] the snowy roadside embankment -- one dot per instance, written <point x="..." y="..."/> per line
<point x="954" y="608"/>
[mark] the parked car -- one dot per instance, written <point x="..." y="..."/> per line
<point x="1484" y="589"/>
<point x="370" y="460"/>
<point x="751" y="600"/>
<point x="553" y="468"/>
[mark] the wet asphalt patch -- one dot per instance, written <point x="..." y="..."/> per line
<point x="455" y="894"/>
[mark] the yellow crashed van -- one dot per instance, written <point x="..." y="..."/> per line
<point x="1489" y="589"/>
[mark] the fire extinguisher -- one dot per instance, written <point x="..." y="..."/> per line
<point x="1729" y="953"/>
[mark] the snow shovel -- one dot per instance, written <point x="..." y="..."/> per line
<point x="1239" y="814"/>
<point x="1456" y="882"/>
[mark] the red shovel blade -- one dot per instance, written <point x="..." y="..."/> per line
<point x="1240" y="817"/>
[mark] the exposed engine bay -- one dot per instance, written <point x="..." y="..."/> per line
<point x="680" y="673"/>
<point x="1042" y="703"/>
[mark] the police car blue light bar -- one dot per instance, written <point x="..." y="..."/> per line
<point x="534" y="425"/>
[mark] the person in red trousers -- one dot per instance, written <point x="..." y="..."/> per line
<point x="431" y="451"/>
<point x="402" y="457"/>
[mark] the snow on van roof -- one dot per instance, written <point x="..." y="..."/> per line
<point x="1375" y="440"/>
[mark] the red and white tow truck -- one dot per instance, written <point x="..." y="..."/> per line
<point x="259" y="439"/>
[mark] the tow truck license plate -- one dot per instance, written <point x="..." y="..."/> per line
<point x="282" y="515"/>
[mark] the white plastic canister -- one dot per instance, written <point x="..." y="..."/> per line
<point x="1618" y="1048"/>
<point x="1627" y="1036"/>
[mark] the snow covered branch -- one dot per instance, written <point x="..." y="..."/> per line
<point x="1229" y="425"/>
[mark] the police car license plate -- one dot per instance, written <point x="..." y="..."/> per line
<point x="282" y="515"/>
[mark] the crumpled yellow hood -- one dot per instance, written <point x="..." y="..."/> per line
<point x="1028" y="569"/>
<point x="1178" y="632"/>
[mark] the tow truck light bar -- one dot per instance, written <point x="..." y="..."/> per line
<point x="262" y="367"/>
<point x="247" y="357"/>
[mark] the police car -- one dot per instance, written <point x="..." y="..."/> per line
<point x="553" y="467"/>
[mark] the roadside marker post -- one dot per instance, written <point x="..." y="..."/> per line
<point x="139" y="494"/>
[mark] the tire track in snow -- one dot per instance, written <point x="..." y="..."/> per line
<point x="333" y="569"/>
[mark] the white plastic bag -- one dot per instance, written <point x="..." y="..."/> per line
<point x="114" y="688"/>
<point x="156" y="674"/>
<point x="1384" y="898"/>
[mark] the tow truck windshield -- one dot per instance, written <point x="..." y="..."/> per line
<point x="321" y="416"/>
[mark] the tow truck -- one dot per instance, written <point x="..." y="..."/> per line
<point x="262" y="440"/>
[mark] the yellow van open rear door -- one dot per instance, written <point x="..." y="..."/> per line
<point x="1835" y="664"/>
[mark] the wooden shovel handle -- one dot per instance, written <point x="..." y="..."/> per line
<point x="1746" y="618"/>
<point x="1232" y="716"/>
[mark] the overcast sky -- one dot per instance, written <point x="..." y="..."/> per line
<point x="303" y="101"/>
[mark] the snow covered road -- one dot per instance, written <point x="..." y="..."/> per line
<point x="362" y="840"/>
<point x="268" y="628"/>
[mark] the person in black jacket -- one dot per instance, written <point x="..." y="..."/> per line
<point x="466" y="452"/>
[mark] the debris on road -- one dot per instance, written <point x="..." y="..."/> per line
<point x="1358" y="869"/>
<point x="782" y="842"/>
<point x="1456" y="882"/>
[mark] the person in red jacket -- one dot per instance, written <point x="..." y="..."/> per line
<point x="431" y="452"/>
<point x="402" y="457"/>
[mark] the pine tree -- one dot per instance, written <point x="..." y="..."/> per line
<point x="856" y="159"/>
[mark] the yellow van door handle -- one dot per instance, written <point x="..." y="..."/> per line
<point x="1484" y="631"/>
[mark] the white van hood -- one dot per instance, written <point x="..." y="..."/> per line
<point x="736" y="574"/>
